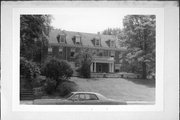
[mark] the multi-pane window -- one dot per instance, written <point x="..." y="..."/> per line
<point x="50" y="50"/>
<point x="61" y="38"/>
<point x="112" y="43"/>
<point x="112" y="53"/>
<point x="97" y="42"/>
<point x="77" y="40"/>
<point x="72" y="52"/>
<point x="100" y="52"/>
<point x="60" y="51"/>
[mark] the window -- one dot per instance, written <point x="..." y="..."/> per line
<point x="60" y="51"/>
<point x="99" y="68"/>
<point x="100" y="53"/>
<point x="112" y="53"/>
<point x="61" y="38"/>
<point x="75" y="97"/>
<point x="50" y="50"/>
<point x="72" y="52"/>
<point x="77" y="40"/>
<point x="82" y="97"/>
<point x="91" y="97"/>
<point x="97" y="42"/>
<point x="112" y="43"/>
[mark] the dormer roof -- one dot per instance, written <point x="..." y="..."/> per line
<point x="86" y="38"/>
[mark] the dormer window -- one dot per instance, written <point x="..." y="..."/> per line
<point x="112" y="43"/>
<point x="61" y="38"/>
<point x="77" y="40"/>
<point x="97" y="42"/>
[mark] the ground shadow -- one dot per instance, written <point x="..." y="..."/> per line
<point x="146" y="82"/>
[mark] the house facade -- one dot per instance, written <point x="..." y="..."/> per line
<point x="105" y="49"/>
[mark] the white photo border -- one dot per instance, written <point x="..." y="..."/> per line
<point x="16" y="106"/>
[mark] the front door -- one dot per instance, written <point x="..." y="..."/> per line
<point x="99" y="68"/>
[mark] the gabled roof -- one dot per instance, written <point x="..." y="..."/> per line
<point x="86" y="38"/>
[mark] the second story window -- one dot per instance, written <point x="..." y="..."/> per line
<point x="72" y="52"/>
<point x="61" y="38"/>
<point x="112" y="53"/>
<point x="60" y="51"/>
<point x="50" y="50"/>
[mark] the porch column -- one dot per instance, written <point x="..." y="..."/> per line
<point x="94" y="66"/>
<point x="109" y="67"/>
<point x="112" y="67"/>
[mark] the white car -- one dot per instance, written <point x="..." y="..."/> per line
<point x="86" y="98"/>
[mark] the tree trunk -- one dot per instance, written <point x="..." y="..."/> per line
<point x="144" y="70"/>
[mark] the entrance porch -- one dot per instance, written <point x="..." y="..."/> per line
<point x="102" y="65"/>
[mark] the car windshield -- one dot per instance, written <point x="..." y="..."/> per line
<point x="69" y="95"/>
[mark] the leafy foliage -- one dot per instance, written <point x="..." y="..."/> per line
<point x="139" y="32"/>
<point x="84" y="58"/>
<point x="84" y="70"/>
<point x="34" y="30"/>
<point x="138" y="36"/>
<point x="28" y="69"/>
<point x="66" y="87"/>
<point x="50" y="86"/>
<point x="111" y="31"/>
<point x="57" y="70"/>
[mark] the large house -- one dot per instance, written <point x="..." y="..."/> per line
<point x="106" y="50"/>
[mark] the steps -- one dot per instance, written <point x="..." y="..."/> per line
<point x="26" y="94"/>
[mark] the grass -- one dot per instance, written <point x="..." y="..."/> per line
<point x="118" y="88"/>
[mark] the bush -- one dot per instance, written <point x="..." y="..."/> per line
<point x="56" y="69"/>
<point x="66" y="87"/>
<point x="28" y="69"/>
<point x="50" y="86"/>
<point x="84" y="70"/>
<point x="38" y="81"/>
<point x="38" y="92"/>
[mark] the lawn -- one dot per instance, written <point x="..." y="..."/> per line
<point x="119" y="88"/>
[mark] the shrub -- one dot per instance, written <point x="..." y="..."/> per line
<point x="66" y="87"/>
<point x="38" y="92"/>
<point x="57" y="70"/>
<point x="28" y="69"/>
<point x="84" y="70"/>
<point x="49" y="86"/>
<point x="38" y="81"/>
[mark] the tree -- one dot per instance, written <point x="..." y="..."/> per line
<point x="140" y="40"/>
<point x="28" y="69"/>
<point x="111" y="31"/>
<point x="84" y="59"/>
<point x="57" y="70"/>
<point x="34" y="30"/>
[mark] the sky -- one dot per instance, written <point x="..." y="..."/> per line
<point x="87" y="20"/>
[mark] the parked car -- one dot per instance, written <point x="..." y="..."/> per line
<point x="86" y="98"/>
